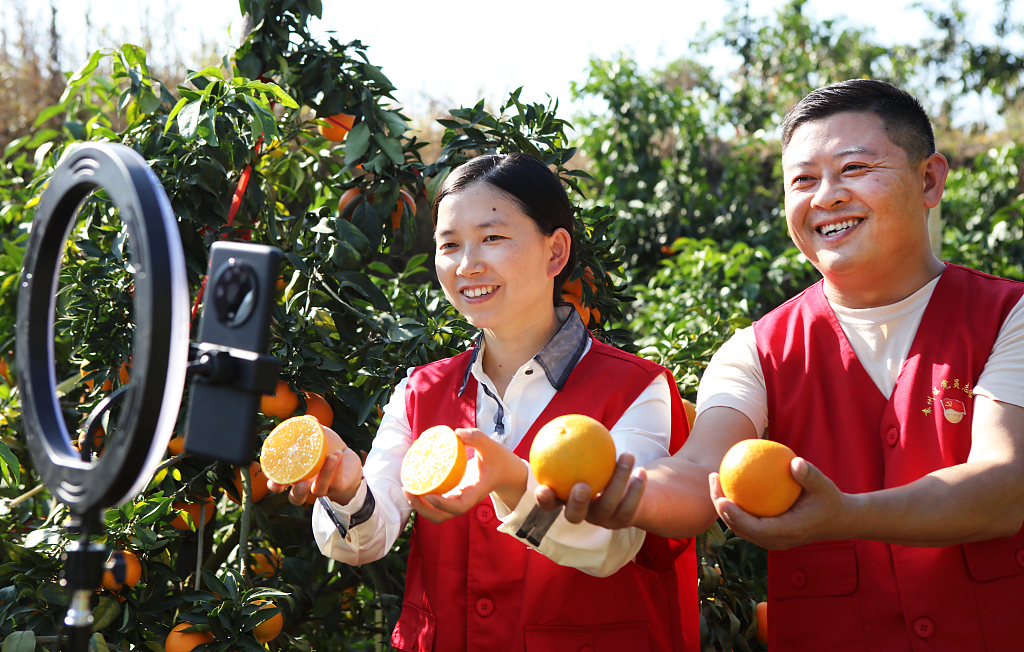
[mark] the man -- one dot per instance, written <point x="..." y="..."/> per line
<point x="899" y="382"/>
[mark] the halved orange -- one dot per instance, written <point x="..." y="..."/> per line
<point x="573" y="448"/>
<point x="435" y="462"/>
<point x="295" y="450"/>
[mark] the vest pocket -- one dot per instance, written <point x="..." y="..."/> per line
<point x="996" y="558"/>
<point x="414" y="631"/>
<point x="812" y="594"/>
<point x="629" y="637"/>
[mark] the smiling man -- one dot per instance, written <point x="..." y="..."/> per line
<point x="898" y="382"/>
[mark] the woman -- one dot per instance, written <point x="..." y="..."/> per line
<point x="504" y="246"/>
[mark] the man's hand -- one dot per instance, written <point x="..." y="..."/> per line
<point x="492" y="468"/>
<point x="820" y="513"/>
<point x="339" y="479"/>
<point x="615" y="507"/>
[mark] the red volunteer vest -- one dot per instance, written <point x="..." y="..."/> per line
<point x="864" y="595"/>
<point x="469" y="587"/>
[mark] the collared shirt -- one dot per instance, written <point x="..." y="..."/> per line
<point x="644" y="430"/>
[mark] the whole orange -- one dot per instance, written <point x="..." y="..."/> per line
<point x="193" y="510"/>
<point x="573" y="448"/>
<point x="319" y="407"/>
<point x="691" y="412"/>
<point x="396" y="215"/>
<point x="762" y="622"/>
<point x="755" y="475"/>
<point x="265" y="565"/>
<point x="336" y="127"/>
<point x="257" y="480"/>
<point x="270" y="628"/>
<point x="132" y="571"/>
<point x="576" y="303"/>
<point x="179" y="641"/>
<point x="281" y="403"/>
<point x="346" y="197"/>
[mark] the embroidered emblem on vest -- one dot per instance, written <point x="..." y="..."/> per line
<point x="953" y="409"/>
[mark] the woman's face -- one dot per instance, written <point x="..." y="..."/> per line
<point x="494" y="264"/>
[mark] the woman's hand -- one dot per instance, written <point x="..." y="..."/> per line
<point x="493" y="468"/>
<point x="339" y="479"/>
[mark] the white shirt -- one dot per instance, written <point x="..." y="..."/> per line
<point x="644" y="430"/>
<point x="881" y="338"/>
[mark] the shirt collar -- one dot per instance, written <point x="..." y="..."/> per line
<point x="558" y="357"/>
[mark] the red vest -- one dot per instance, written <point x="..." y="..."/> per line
<point x="469" y="587"/>
<point x="865" y="595"/>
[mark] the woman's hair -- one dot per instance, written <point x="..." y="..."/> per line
<point x="530" y="185"/>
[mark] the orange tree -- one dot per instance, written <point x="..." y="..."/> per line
<point x="240" y="153"/>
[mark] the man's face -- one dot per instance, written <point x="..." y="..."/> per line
<point x="855" y="206"/>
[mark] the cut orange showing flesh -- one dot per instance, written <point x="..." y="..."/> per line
<point x="296" y="449"/>
<point x="435" y="462"/>
<point x="573" y="448"/>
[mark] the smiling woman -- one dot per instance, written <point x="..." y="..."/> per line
<point x="504" y="247"/>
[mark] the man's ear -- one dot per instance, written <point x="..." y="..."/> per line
<point x="935" y="168"/>
<point x="560" y="244"/>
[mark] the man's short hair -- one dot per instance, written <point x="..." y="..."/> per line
<point x="905" y="120"/>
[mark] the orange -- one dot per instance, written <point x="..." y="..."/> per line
<point x="97" y="439"/>
<point x="575" y="301"/>
<point x="348" y="196"/>
<point x="762" y="622"/>
<point x="265" y="565"/>
<point x="755" y="475"/>
<point x="4" y="372"/>
<point x="107" y="385"/>
<point x="179" y="641"/>
<point x="295" y="450"/>
<point x="270" y="628"/>
<point x="281" y="403"/>
<point x="434" y="463"/>
<point x="257" y="479"/>
<point x="573" y="448"/>
<point x="193" y="510"/>
<point x="348" y="598"/>
<point x="336" y="127"/>
<point x="318" y="406"/>
<point x="576" y="287"/>
<point x="691" y="412"/>
<point x="132" y="571"/>
<point x="396" y="215"/>
<point x="176" y="446"/>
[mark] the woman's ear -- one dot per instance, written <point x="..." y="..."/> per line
<point x="561" y="245"/>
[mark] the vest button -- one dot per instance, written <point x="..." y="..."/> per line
<point x="892" y="437"/>
<point x="484" y="514"/>
<point x="799" y="579"/>
<point x="484" y="607"/>
<point x="1020" y="557"/>
<point x="924" y="627"/>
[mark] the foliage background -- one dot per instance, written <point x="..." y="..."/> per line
<point x="675" y="177"/>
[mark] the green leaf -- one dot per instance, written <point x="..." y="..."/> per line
<point x="362" y="283"/>
<point x="82" y="74"/>
<point x="20" y="642"/>
<point x="105" y="613"/>
<point x="357" y="142"/>
<point x="188" y="120"/>
<point x="273" y="89"/>
<point x="10" y="469"/>
<point x="390" y="146"/>
<point x="177" y="107"/>
<point x="97" y="643"/>
<point x="374" y="73"/>
<point x="208" y="71"/>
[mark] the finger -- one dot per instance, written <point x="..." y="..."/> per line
<point x="808" y="475"/>
<point x="630" y="502"/>
<point x="276" y="488"/>
<point x="322" y="481"/>
<point x="425" y="509"/>
<point x="578" y="505"/>
<point x="608" y="502"/>
<point x="299" y="493"/>
<point x="546" y="497"/>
